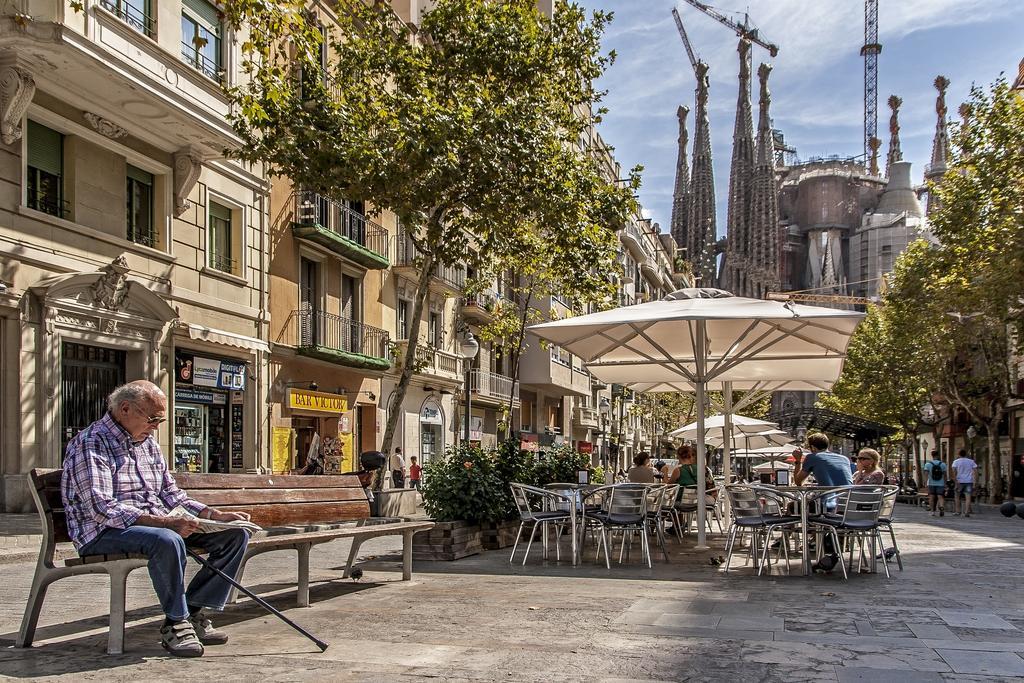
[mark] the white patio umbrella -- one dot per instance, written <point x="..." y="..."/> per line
<point x="765" y="439"/>
<point x="771" y="466"/>
<point x="769" y="451"/>
<point x="701" y="336"/>
<point x="741" y="424"/>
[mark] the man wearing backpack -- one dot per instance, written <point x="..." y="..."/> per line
<point x="935" y="475"/>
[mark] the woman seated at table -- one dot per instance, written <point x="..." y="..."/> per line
<point x="868" y="471"/>
<point x="641" y="472"/>
<point x="686" y="474"/>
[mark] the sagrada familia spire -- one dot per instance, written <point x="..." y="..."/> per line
<point x="701" y="229"/>
<point x="681" y="195"/>
<point x="736" y="268"/>
<point x="763" y="225"/>
<point x="895" y="153"/>
<point x="940" y="144"/>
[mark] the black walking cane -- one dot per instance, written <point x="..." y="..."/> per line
<point x="319" y="643"/>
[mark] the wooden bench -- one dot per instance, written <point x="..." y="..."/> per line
<point x="297" y="512"/>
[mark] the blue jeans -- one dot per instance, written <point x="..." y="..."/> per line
<point x="166" y="552"/>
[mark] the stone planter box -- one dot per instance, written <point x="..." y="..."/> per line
<point x="498" y="535"/>
<point x="447" y="541"/>
<point x="395" y="503"/>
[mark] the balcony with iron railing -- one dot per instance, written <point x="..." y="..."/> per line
<point x="340" y="228"/>
<point x="48" y="202"/>
<point x="479" y="307"/>
<point x="492" y="387"/>
<point x="133" y="16"/>
<point x="193" y="55"/>
<point x="431" y="361"/>
<point x="447" y="280"/>
<point x="147" y="237"/>
<point x="340" y="340"/>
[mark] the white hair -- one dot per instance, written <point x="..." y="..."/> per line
<point x="134" y="392"/>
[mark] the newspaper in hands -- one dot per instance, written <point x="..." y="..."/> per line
<point x="209" y="526"/>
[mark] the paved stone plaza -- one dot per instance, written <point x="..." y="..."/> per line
<point x="956" y="613"/>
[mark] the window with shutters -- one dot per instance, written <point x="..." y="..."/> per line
<point x="45" y="166"/>
<point x="221" y="248"/>
<point x="139" y="193"/>
<point x="436" y="336"/>
<point x="201" y="38"/>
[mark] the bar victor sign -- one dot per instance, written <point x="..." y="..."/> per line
<point x="299" y="399"/>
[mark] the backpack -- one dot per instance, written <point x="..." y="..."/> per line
<point x="936" y="471"/>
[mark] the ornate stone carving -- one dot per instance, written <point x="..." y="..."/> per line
<point x="111" y="290"/>
<point x="16" y="91"/>
<point x="104" y="126"/>
<point x="188" y="163"/>
<point x="76" y="321"/>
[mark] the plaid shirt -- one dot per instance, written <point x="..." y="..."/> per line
<point x="109" y="481"/>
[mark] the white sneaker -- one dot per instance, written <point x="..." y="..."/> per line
<point x="933" y="513"/>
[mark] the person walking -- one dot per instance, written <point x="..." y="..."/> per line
<point x="964" y="469"/>
<point x="935" y="475"/>
<point x="415" y="472"/>
<point x="397" y="467"/>
<point x="117" y="495"/>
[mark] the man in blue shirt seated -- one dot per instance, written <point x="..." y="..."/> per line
<point x="829" y="469"/>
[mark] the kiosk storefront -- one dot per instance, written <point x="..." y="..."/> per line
<point x="209" y="413"/>
<point x="322" y="423"/>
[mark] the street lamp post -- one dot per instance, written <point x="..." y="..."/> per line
<point x="605" y="408"/>
<point x="468" y="350"/>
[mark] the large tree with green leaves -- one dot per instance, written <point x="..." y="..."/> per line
<point x="885" y="377"/>
<point x="466" y="127"/>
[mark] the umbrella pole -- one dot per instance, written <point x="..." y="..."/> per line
<point x="701" y="357"/>
<point x="727" y="432"/>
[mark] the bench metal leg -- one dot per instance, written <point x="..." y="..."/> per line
<point x="115" y="637"/>
<point x="352" y="554"/>
<point x="302" y="597"/>
<point x="33" y="608"/>
<point x="407" y="556"/>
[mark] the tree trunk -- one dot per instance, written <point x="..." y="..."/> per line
<point x="992" y="464"/>
<point x="516" y="356"/>
<point x="409" y="362"/>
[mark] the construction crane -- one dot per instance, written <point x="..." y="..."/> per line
<point x="744" y="30"/>
<point x="686" y="39"/>
<point x="870" y="53"/>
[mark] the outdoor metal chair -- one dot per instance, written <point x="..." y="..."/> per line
<point x="670" y="512"/>
<point x="656" y="497"/>
<point x="624" y="511"/>
<point x="885" y="522"/>
<point x="687" y="505"/>
<point x="758" y="511"/>
<point x="856" y="520"/>
<point x="542" y="508"/>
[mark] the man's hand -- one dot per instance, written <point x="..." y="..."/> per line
<point x="183" y="527"/>
<point x="219" y="516"/>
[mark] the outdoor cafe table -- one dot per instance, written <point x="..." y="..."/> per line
<point x="804" y="495"/>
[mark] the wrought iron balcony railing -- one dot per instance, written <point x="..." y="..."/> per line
<point x="318" y="329"/>
<point x="340" y="219"/>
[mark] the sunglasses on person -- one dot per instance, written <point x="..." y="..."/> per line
<point x="153" y="420"/>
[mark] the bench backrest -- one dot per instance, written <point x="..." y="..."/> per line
<point x="271" y="500"/>
<point x="281" y="499"/>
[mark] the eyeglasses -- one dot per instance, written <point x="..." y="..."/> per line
<point x="150" y="419"/>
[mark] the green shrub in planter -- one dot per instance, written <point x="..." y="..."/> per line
<point x="464" y="485"/>
<point x="559" y="463"/>
<point x="513" y="465"/>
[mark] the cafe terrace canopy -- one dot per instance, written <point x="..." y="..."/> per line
<point x="701" y="336"/>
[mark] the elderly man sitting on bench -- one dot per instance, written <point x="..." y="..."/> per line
<point x="117" y="493"/>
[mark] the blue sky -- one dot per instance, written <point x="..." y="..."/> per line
<point x="817" y="81"/>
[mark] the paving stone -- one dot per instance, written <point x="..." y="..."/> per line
<point x="973" y="619"/>
<point x="978" y="662"/>
<point x="854" y="674"/>
<point x="931" y="631"/>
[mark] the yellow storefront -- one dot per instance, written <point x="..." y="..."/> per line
<point x="314" y="420"/>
